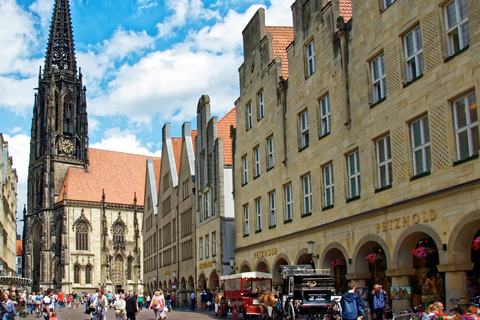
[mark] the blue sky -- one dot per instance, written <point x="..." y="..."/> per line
<point x="144" y="62"/>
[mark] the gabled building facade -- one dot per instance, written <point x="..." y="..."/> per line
<point x="377" y="175"/>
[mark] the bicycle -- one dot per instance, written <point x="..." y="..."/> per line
<point x="457" y="310"/>
<point x="407" y="313"/>
<point x="38" y="311"/>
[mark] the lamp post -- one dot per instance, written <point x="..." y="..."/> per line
<point x="232" y="264"/>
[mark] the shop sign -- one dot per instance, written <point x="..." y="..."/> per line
<point x="265" y="253"/>
<point x="406" y="221"/>
<point x="207" y="264"/>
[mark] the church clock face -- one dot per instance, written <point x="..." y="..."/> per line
<point x="67" y="146"/>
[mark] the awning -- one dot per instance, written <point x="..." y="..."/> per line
<point x="15" y="281"/>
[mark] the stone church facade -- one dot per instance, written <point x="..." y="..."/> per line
<point x="83" y="225"/>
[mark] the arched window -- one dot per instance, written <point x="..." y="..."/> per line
<point x="67" y="115"/>
<point x="88" y="274"/>
<point x="130" y="269"/>
<point x="118" y="234"/>
<point x="81" y="236"/>
<point x="118" y="271"/>
<point x="76" y="274"/>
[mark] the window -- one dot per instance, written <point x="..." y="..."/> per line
<point x="207" y="246"/>
<point x="246" y="220"/>
<point x="244" y="170"/>
<point x="88" y="274"/>
<point x="130" y="269"/>
<point x="458" y="33"/>
<point x="307" y="194"/>
<point x="271" y="158"/>
<point x="273" y="208"/>
<point x="214" y="244"/>
<point x="324" y="116"/>
<point x="118" y="234"/>
<point x="353" y="175"/>
<point x="328" y="190"/>
<point x="206" y="198"/>
<point x="261" y="105"/>
<point x="387" y="3"/>
<point x="420" y="135"/>
<point x="413" y="54"/>
<point x="384" y="162"/>
<point x="200" y="248"/>
<point x="258" y="207"/>
<point x="310" y="58"/>
<point x="379" y="79"/>
<point x="76" y="274"/>
<point x="81" y="236"/>
<point x="304" y="130"/>
<point x="256" y="154"/>
<point x="466" y="126"/>
<point x="249" y="116"/>
<point x="288" y="202"/>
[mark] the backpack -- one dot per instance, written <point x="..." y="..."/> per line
<point x="155" y="302"/>
<point x="350" y="308"/>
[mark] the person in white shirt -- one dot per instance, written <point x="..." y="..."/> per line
<point x="48" y="303"/>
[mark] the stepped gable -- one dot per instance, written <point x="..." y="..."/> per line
<point x="282" y="38"/>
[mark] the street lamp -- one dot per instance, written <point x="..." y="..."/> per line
<point x="232" y="264"/>
<point x="310" y="250"/>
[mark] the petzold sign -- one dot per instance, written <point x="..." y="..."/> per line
<point x="405" y="221"/>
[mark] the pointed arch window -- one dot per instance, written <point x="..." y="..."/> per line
<point x="118" y="234"/>
<point x="81" y="236"/>
<point x="67" y="116"/>
<point x="76" y="274"/>
<point x="118" y="276"/>
<point x="88" y="275"/>
<point x="130" y="269"/>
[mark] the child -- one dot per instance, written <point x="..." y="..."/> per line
<point x="54" y="316"/>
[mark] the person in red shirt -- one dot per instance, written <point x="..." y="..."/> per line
<point x="60" y="299"/>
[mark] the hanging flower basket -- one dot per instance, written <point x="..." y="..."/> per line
<point x="476" y="243"/>
<point x="373" y="257"/>
<point x="337" y="263"/>
<point x="422" y="252"/>
<point x="214" y="279"/>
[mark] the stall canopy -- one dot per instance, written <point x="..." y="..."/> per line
<point x="15" y="281"/>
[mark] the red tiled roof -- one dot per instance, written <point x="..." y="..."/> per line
<point x="157" y="165"/>
<point x="346" y="9"/>
<point x="230" y="119"/>
<point x="119" y="174"/>
<point x="177" y="152"/>
<point x="282" y="38"/>
<point x="19" y="247"/>
<point x="194" y="136"/>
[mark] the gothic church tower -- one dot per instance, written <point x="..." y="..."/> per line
<point x="59" y="140"/>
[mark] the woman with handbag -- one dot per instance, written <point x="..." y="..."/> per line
<point x="158" y="305"/>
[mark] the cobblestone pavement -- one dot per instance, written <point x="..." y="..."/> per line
<point x="177" y="314"/>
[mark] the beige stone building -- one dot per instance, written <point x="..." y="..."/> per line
<point x="8" y="211"/>
<point x="373" y="170"/>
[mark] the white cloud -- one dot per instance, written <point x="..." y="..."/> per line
<point x="17" y="95"/>
<point x="123" y="141"/>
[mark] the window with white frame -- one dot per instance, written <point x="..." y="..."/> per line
<point x="310" y="58"/>
<point x="249" y="116"/>
<point x="200" y="248"/>
<point x="214" y="243"/>
<point x="420" y="135"/>
<point x="456" y="21"/>
<point x="328" y="186"/>
<point x="304" y="137"/>
<point x="288" y="202"/>
<point x="207" y="246"/>
<point x="413" y="54"/>
<point x="307" y="194"/>
<point x="387" y="3"/>
<point x="258" y="208"/>
<point x="324" y="116"/>
<point x="261" y="105"/>
<point x="244" y="170"/>
<point x="379" y="78"/>
<point x="466" y="126"/>
<point x="384" y="162"/>
<point x="271" y="152"/>
<point x="353" y="166"/>
<point x="256" y="154"/>
<point x="207" y="209"/>
<point x="246" y="220"/>
<point x="272" y="199"/>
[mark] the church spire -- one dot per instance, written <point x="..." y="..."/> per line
<point x="60" y="49"/>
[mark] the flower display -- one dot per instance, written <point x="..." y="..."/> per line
<point x="337" y="263"/>
<point x="476" y="243"/>
<point x="422" y="252"/>
<point x="373" y="257"/>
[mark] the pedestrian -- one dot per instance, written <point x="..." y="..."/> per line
<point x="140" y="301"/>
<point x="352" y="304"/>
<point x="70" y="301"/>
<point x="157" y="304"/>
<point x="174" y="299"/>
<point x="193" y="299"/>
<point x="209" y="300"/>
<point x="54" y="316"/>
<point x="119" y="306"/>
<point x="8" y="308"/>
<point x="110" y="298"/>
<point x="101" y="304"/>
<point x="148" y="299"/>
<point x="203" y="299"/>
<point x="48" y="304"/>
<point x="378" y="301"/>
<point x="31" y="302"/>
<point x="168" y="301"/>
<point x="131" y="306"/>
<point x="60" y="299"/>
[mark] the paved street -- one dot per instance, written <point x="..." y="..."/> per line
<point x="177" y="314"/>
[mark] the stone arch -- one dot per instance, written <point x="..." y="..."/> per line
<point x="461" y="238"/>
<point x="119" y="221"/>
<point x="190" y="283"/>
<point x="213" y="280"/>
<point x="280" y="260"/>
<point x="406" y="243"/>
<point x="245" y="267"/>
<point x="202" y="281"/>
<point x="363" y="248"/>
<point x="326" y="253"/>
<point x="262" y="265"/>
<point x="335" y="258"/>
<point x="303" y="257"/>
<point x="82" y="219"/>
